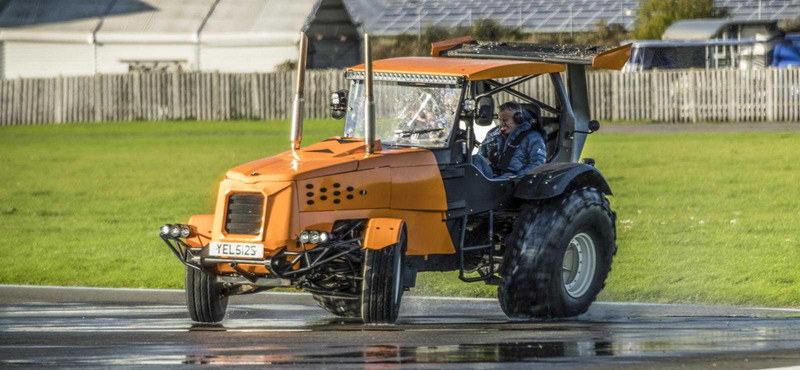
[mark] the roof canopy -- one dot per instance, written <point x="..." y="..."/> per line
<point x="471" y="69"/>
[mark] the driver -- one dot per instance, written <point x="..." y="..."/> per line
<point x="520" y="144"/>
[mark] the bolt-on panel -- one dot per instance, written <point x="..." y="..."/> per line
<point x="353" y="190"/>
<point x="418" y="188"/>
<point x="382" y="232"/>
<point x="280" y="214"/>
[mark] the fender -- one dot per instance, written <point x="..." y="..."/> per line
<point x="552" y="179"/>
<point x="201" y="226"/>
<point x="382" y="232"/>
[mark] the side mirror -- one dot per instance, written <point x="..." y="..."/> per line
<point x="339" y="104"/>
<point x="484" y="111"/>
<point x="594" y="126"/>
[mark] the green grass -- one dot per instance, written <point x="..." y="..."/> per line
<point x="702" y="218"/>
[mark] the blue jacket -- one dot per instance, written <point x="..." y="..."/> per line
<point x="531" y="152"/>
<point x="490" y="146"/>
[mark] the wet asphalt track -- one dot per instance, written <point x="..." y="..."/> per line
<point x="99" y="328"/>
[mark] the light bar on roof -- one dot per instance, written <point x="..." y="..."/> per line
<point x="406" y="77"/>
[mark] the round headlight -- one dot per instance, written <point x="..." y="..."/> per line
<point x="303" y="238"/>
<point x="314" y="237"/>
<point x="185" y="231"/>
<point x="323" y="237"/>
<point x="175" y="231"/>
<point x="165" y="229"/>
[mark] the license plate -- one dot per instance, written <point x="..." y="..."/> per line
<point x="245" y="250"/>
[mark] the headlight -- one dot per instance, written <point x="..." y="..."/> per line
<point x="165" y="229"/>
<point x="185" y="231"/>
<point x="175" y="231"/>
<point x="313" y="237"/>
<point x="303" y="238"/>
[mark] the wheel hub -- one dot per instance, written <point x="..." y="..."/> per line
<point x="580" y="262"/>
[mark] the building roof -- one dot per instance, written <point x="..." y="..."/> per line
<point x="471" y="69"/>
<point x="704" y="29"/>
<point x="274" y="21"/>
<point x="230" y="22"/>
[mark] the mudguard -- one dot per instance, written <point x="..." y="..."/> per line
<point x="382" y="232"/>
<point x="552" y="179"/>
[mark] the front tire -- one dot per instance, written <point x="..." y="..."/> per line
<point x="560" y="256"/>
<point x="204" y="298"/>
<point x="382" y="287"/>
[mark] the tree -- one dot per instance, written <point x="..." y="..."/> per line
<point x="654" y="16"/>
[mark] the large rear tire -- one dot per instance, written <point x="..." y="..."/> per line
<point x="560" y="255"/>
<point x="382" y="287"/>
<point x="204" y="298"/>
<point x="339" y="306"/>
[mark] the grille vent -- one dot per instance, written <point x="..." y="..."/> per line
<point x="244" y="213"/>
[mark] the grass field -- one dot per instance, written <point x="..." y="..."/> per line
<point x="709" y="218"/>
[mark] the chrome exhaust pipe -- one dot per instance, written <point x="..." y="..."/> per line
<point x="369" y="128"/>
<point x="297" y="110"/>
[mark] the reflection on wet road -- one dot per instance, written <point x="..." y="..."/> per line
<point x="289" y="331"/>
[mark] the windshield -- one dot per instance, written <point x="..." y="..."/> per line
<point x="406" y="114"/>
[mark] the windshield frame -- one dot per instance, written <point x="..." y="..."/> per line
<point x="435" y="81"/>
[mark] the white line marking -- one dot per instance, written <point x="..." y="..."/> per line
<point x="784" y="368"/>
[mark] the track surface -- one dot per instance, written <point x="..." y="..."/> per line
<point x="97" y="328"/>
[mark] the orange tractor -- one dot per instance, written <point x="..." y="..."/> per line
<point x="354" y="218"/>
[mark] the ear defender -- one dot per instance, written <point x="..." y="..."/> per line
<point x="518" y="117"/>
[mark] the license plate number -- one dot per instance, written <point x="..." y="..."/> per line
<point x="217" y="249"/>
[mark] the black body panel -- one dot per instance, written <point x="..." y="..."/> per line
<point x="469" y="192"/>
<point x="552" y="179"/>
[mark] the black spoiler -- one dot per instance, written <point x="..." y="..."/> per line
<point x="605" y="57"/>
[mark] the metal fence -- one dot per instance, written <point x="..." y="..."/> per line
<point x="675" y="96"/>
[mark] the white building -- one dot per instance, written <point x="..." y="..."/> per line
<point x="46" y="38"/>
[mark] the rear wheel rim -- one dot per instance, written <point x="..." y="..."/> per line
<point x="580" y="263"/>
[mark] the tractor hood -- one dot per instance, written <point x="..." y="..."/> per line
<point x="329" y="157"/>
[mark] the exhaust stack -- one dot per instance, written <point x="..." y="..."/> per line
<point x="297" y="111"/>
<point x="369" y="135"/>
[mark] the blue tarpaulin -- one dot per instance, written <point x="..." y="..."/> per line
<point x="787" y="54"/>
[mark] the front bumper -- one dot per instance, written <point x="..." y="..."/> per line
<point x="197" y="258"/>
<point x="286" y="268"/>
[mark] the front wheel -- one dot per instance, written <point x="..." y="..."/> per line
<point x="204" y="297"/>
<point x="561" y="252"/>
<point x="382" y="288"/>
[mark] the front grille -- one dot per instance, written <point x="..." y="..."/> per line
<point x="244" y="213"/>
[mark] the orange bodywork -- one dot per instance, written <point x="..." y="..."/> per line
<point x="311" y="188"/>
<point x="613" y="59"/>
<point x="471" y="69"/>
<point x="382" y="232"/>
<point x="202" y="226"/>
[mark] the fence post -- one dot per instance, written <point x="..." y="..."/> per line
<point x="58" y="102"/>
<point x="770" y="94"/>
<point x="615" y="96"/>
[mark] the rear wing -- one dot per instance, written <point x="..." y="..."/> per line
<point x="605" y="57"/>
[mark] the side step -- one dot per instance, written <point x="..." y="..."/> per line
<point x="490" y="276"/>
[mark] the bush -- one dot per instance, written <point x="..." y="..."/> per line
<point x="655" y="16"/>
